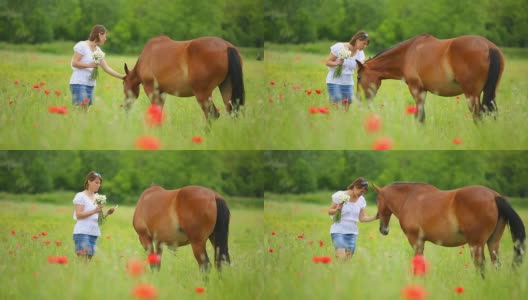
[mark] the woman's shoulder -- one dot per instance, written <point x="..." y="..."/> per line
<point x="80" y="46"/>
<point x="80" y="196"/>
<point x="337" y="46"/>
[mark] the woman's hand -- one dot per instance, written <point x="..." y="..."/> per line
<point x="339" y="206"/>
<point x="339" y="61"/>
<point x="110" y="211"/>
<point x="99" y="208"/>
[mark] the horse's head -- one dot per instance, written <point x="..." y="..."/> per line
<point x="130" y="85"/>
<point x="368" y="80"/>
<point x="384" y="212"/>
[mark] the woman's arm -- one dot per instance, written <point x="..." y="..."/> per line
<point x="80" y="214"/>
<point x="110" y="71"/>
<point x="332" y="61"/>
<point x="363" y="218"/>
<point x="76" y="62"/>
<point x="334" y="208"/>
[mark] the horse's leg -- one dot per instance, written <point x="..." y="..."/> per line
<point x="153" y="92"/>
<point x="200" y="255"/>
<point x="473" y="102"/>
<point x="206" y="103"/>
<point x="416" y="241"/>
<point x="477" y="253"/>
<point x="418" y="94"/>
<point x="494" y="242"/>
<point x="225" y="90"/>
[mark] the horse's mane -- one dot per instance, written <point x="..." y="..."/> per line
<point x="399" y="44"/>
<point x="409" y="182"/>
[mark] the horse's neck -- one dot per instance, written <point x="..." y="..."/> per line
<point x="389" y="65"/>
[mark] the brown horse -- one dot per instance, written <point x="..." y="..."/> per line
<point x="185" y="69"/>
<point x="189" y="215"/>
<point x="468" y="64"/>
<point x="474" y="214"/>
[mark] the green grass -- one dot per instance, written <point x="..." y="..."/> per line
<point x="26" y="274"/>
<point x="276" y="117"/>
<point x="380" y="268"/>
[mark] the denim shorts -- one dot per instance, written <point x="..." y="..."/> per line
<point x="85" y="243"/>
<point x="347" y="241"/>
<point x="81" y="92"/>
<point x="339" y="92"/>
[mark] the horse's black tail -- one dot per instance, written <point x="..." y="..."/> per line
<point x="221" y="232"/>
<point x="234" y="71"/>
<point x="516" y="228"/>
<point x="490" y="88"/>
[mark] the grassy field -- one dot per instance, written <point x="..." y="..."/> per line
<point x="30" y="233"/>
<point x="295" y="233"/>
<point x="280" y="92"/>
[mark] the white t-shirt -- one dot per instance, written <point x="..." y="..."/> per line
<point x="349" y="65"/>
<point x="88" y="225"/>
<point x="349" y="215"/>
<point x="82" y="76"/>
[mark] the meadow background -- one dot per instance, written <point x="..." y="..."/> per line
<point x="31" y="232"/>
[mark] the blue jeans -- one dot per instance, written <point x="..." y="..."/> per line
<point x="347" y="241"/>
<point x="338" y="92"/>
<point x="81" y="92"/>
<point x="85" y="243"/>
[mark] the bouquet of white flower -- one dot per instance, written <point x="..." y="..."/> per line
<point x="343" y="54"/>
<point x="342" y="197"/>
<point x="100" y="200"/>
<point x="97" y="56"/>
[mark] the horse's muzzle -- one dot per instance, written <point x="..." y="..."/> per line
<point x="384" y="230"/>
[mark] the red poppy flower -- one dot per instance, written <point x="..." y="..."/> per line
<point x="419" y="265"/>
<point x="47" y="92"/>
<point x="197" y="139"/>
<point x="36" y="86"/>
<point x="47" y="242"/>
<point x="411" y="110"/>
<point x="281" y="96"/>
<point x="382" y="144"/>
<point x="43" y="233"/>
<point x="11" y="251"/>
<point x="135" y="267"/>
<point x="270" y="250"/>
<point x="457" y="141"/>
<point x="459" y="290"/>
<point x="153" y="258"/>
<point x="270" y="100"/>
<point x="62" y="110"/>
<point x="58" y="243"/>
<point x="309" y="92"/>
<point x="35" y="237"/>
<point x="86" y="250"/>
<point x="57" y="92"/>
<point x="414" y="292"/>
<point x="17" y="82"/>
<point x="313" y="110"/>
<point x="13" y="232"/>
<point x="199" y="290"/>
<point x="272" y="83"/>
<point x="345" y="100"/>
<point x="145" y="291"/>
<point x="322" y="259"/>
<point x="321" y="243"/>
<point x="372" y="123"/>
<point x="300" y="236"/>
<point x="42" y="83"/>
<point x="85" y="101"/>
<point x="79" y="252"/>
<point x="318" y="92"/>
<point x="154" y="115"/>
<point x="147" y="142"/>
<point x="11" y="101"/>
<point x="324" y="110"/>
<point x="273" y="233"/>
<point x="58" y="260"/>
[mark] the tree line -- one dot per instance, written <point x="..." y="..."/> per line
<point x="253" y="173"/>
<point x="131" y="23"/>
<point x="391" y="21"/>
<point x="310" y="171"/>
<point x="127" y="173"/>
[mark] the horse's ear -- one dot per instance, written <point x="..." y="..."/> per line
<point x="360" y="65"/>
<point x="126" y="69"/>
<point x="377" y="188"/>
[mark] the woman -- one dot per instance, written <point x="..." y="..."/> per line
<point x="83" y="64"/>
<point x="344" y="231"/>
<point x="341" y="88"/>
<point x="86" y="230"/>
